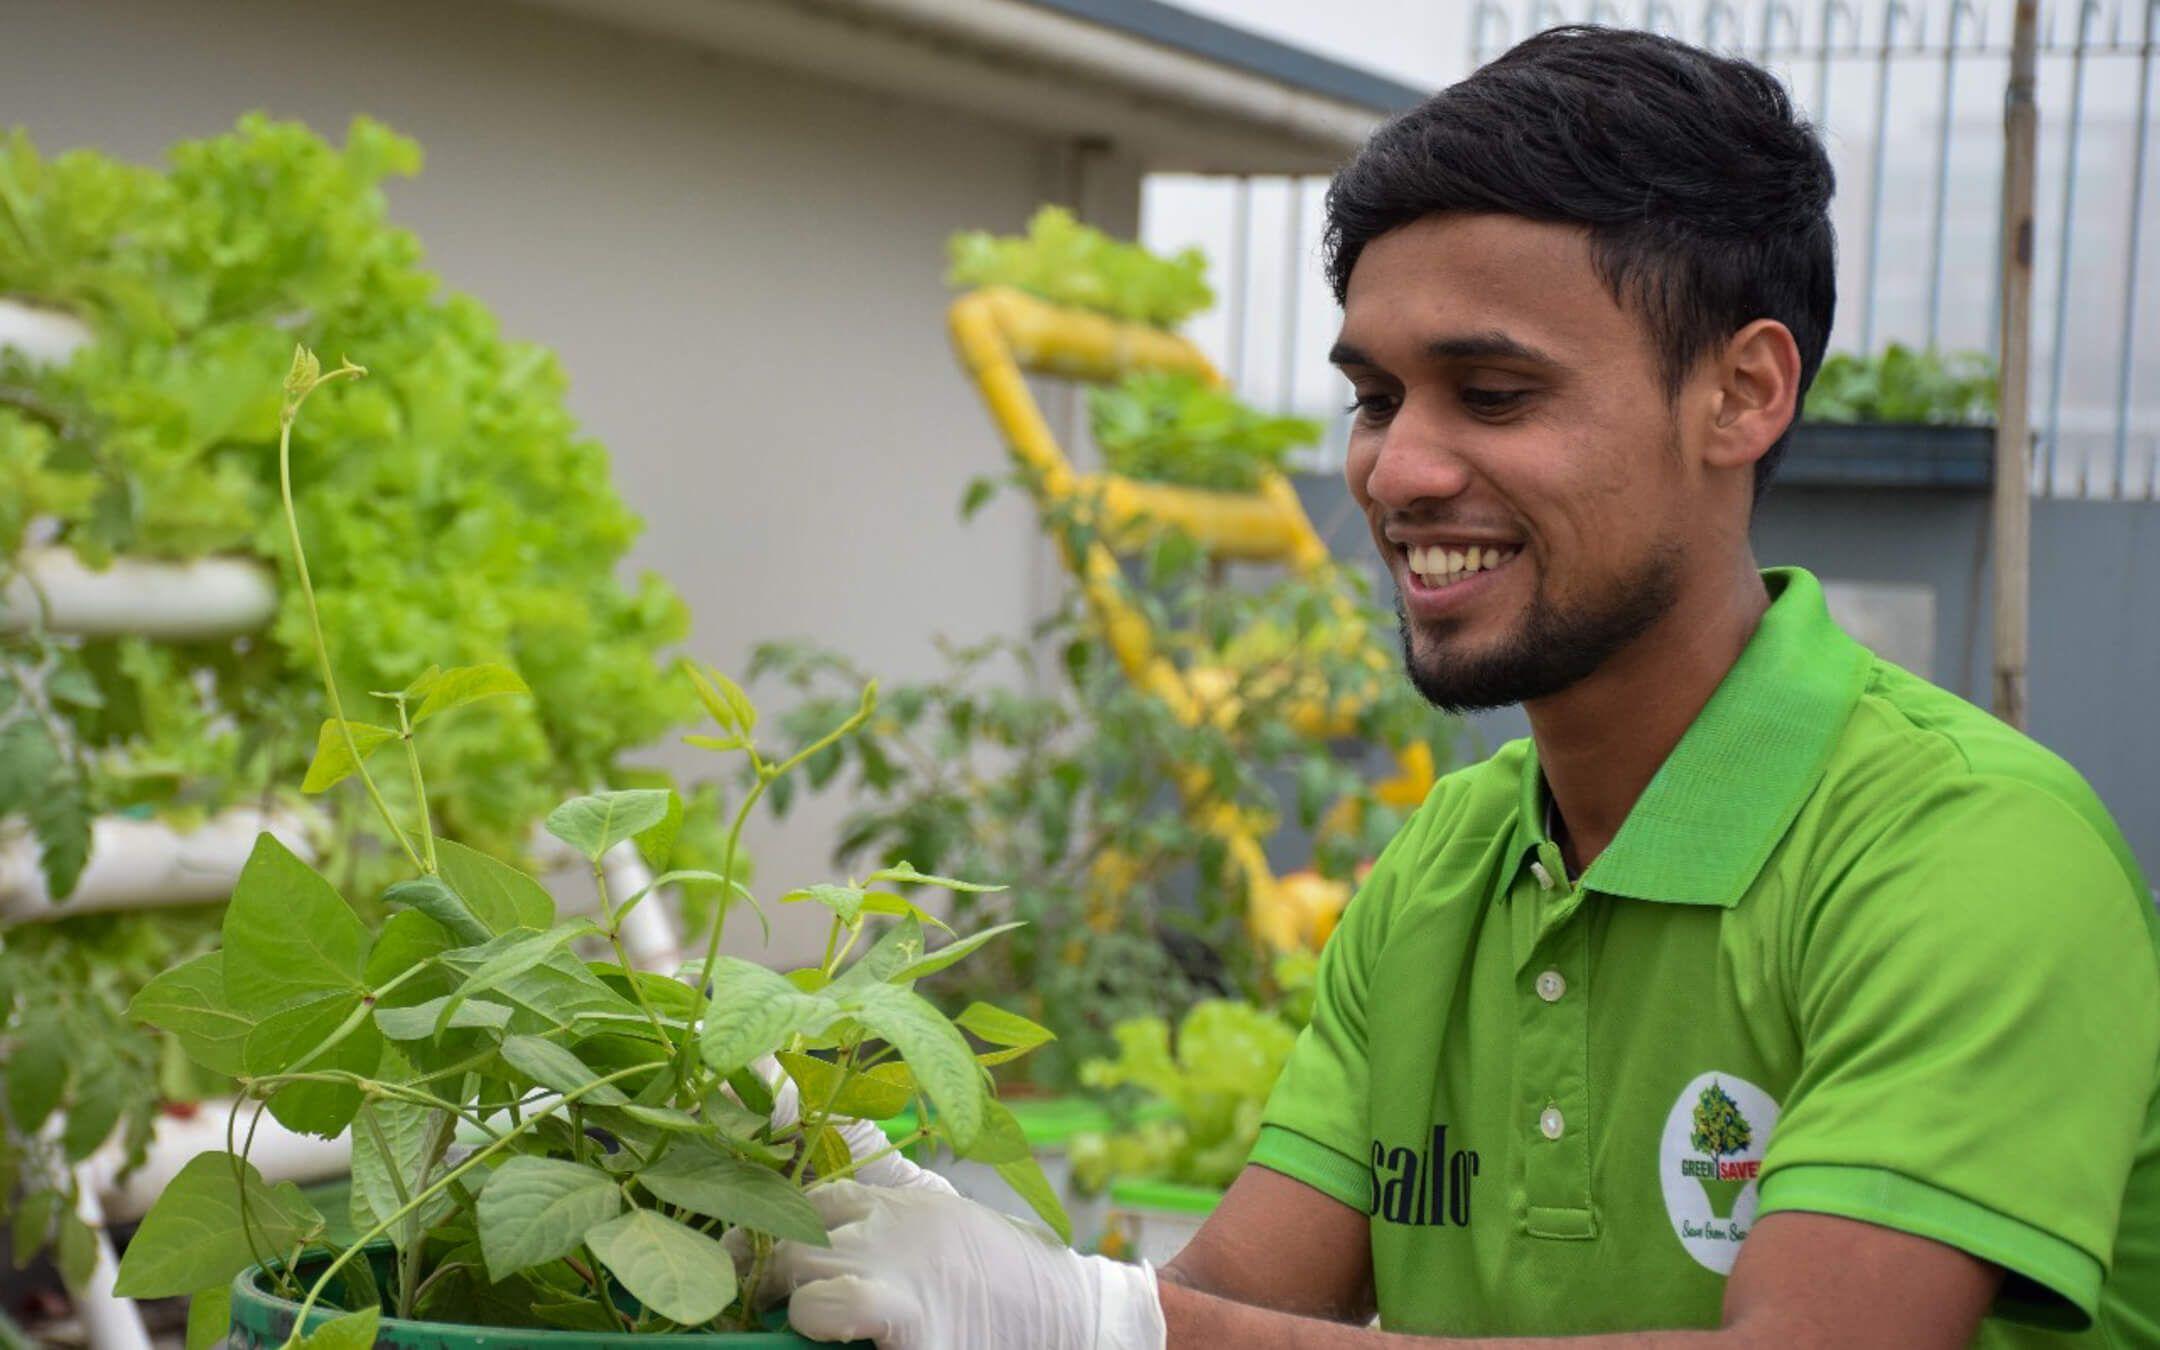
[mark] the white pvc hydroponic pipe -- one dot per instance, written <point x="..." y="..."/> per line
<point x="146" y="864"/>
<point x="212" y="597"/>
<point x="40" y="336"/>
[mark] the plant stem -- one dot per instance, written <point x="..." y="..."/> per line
<point x="409" y="1251"/>
<point x="412" y="758"/>
<point x="630" y="971"/>
<point x="307" y="593"/>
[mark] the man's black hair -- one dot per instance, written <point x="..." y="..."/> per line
<point x="1706" y="197"/>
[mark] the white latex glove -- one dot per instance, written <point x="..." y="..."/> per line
<point x="864" y="1138"/>
<point x="916" y="1270"/>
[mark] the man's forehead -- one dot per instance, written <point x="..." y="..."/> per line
<point x="1445" y="278"/>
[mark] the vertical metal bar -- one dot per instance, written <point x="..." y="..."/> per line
<point x="1830" y="11"/>
<point x="2058" y="356"/>
<point x="1774" y="10"/>
<point x="1716" y="14"/>
<point x="1959" y="10"/>
<point x="2143" y="126"/>
<point x="1892" y="11"/>
<point x="1240" y="264"/>
<point x="2012" y="507"/>
<point x="1293" y="287"/>
<point x="1484" y="14"/>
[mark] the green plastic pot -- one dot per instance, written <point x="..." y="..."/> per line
<point x="262" y="1320"/>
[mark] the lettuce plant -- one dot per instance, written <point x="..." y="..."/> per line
<point x="1067" y="263"/>
<point x="615" y="1126"/>
<point x="1902" y="384"/>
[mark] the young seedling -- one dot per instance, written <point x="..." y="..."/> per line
<point x="544" y="1140"/>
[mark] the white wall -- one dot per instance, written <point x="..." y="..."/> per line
<point x="742" y="271"/>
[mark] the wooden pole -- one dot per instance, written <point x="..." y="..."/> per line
<point x="2013" y="425"/>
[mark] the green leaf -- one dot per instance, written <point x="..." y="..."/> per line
<point x="879" y="1092"/>
<point x="31" y="1226"/>
<point x="334" y="762"/>
<point x="287" y="1041"/>
<point x="904" y="873"/>
<point x="1025" y="1176"/>
<point x="899" y="906"/>
<point x="844" y="901"/>
<point x="593" y="825"/>
<point x="953" y="952"/>
<point x="412" y="1133"/>
<point x="289" y="937"/>
<point x="502" y="896"/>
<point x="417" y="1023"/>
<point x="934" y="1050"/>
<point x="433" y="897"/>
<point x="188" y="1003"/>
<point x="501" y="960"/>
<point x="753" y="1012"/>
<point x="828" y="1151"/>
<point x="462" y="685"/>
<point x="656" y="844"/>
<point x="191" y="1239"/>
<point x="209" y="1318"/>
<point x="999" y="1027"/>
<point x="77" y="1250"/>
<point x="900" y="947"/>
<point x="979" y="490"/>
<point x="100" y="1095"/>
<point x="552" y="1066"/>
<point x="577" y="1315"/>
<point x="406" y="939"/>
<point x="535" y="1210"/>
<point x="664" y="1118"/>
<point x="672" y="1269"/>
<point x="37" y="1071"/>
<point x="704" y="1180"/>
<point x="353" y="1331"/>
<point x="1001" y="1141"/>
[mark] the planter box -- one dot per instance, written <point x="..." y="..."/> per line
<point x="1888" y="454"/>
<point x="262" y="1320"/>
<point x="204" y="598"/>
<point x="1153" y="1220"/>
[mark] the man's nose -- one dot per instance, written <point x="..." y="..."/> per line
<point x="1414" y="462"/>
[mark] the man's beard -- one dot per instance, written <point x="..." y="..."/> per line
<point x="1551" y="649"/>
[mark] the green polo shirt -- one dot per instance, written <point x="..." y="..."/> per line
<point x="1860" y="949"/>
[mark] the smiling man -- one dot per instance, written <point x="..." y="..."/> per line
<point x="1766" y="995"/>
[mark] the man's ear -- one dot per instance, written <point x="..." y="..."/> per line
<point x="1756" y="395"/>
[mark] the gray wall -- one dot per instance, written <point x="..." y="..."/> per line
<point x="2095" y="620"/>
<point x="741" y="269"/>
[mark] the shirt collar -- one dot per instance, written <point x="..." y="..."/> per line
<point x="1724" y="797"/>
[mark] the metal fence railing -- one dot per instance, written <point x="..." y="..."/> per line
<point x="1908" y="94"/>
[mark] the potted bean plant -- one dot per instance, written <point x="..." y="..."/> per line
<point x="574" y="1148"/>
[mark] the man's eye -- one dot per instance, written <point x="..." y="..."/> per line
<point x="1372" y="407"/>
<point x="1491" y="400"/>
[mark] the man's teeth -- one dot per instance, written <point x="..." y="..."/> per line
<point x="1440" y="566"/>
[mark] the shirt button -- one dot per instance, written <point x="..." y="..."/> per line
<point x="1544" y="878"/>
<point x="1551" y="985"/>
<point x="1552" y="1123"/>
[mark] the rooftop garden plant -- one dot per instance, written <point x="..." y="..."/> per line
<point x="614" y="1125"/>
<point x="458" y="516"/>
<point x="1904" y="384"/>
<point x="1173" y="428"/>
<point x="1067" y="263"/>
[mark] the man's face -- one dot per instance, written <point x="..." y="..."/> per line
<point x="1521" y="467"/>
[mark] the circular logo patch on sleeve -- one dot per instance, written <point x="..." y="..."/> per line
<point x="1708" y="1163"/>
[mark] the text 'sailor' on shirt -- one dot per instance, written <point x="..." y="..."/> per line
<point x="1860" y="949"/>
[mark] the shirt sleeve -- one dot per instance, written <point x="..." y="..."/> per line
<point x="1979" y="1002"/>
<point x="1315" y="1128"/>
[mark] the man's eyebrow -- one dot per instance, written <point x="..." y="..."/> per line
<point x="1465" y="347"/>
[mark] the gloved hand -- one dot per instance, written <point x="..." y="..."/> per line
<point x="864" y="1139"/>
<point x="917" y="1270"/>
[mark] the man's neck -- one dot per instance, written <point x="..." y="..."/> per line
<point x="1601" y="741"/>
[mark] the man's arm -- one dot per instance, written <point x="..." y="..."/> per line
<point x="1802" y="1281"/>
<point x="1279" y="1244"/>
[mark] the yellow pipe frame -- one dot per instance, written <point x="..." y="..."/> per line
<point x="1003" y="335"/>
